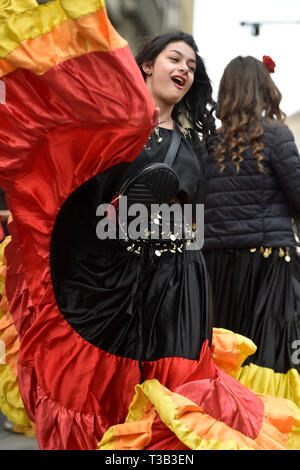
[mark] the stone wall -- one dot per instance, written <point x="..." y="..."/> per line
<point x="137" y="19"/>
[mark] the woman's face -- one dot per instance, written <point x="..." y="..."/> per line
<point x="172" y="74"/>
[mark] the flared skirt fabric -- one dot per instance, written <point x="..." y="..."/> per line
<point x="212" y="411"/>
<point x="142" y="317"/>
<point x="177" y="392"/>
<point x="259" y="296"/>
<point x="11" y="403"/>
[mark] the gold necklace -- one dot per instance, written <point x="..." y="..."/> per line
<point x="158" y="136"/>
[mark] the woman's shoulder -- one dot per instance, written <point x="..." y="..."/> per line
<point x="276" y="132"/>
<point x="276" y="127"/>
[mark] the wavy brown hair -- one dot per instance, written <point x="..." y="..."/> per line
<point x="247" y="95"/>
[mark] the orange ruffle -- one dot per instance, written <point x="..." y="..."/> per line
<point x="159" y="419"/>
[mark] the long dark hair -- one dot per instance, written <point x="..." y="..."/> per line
<point x="197" y="106"/>
<point x="247" y="95"/>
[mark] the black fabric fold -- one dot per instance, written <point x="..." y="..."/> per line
<point x="259" y="298"/>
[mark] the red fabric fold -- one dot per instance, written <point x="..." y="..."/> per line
<point x="57" y="131"/>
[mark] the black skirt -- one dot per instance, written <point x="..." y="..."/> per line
<point x="140" y="306"/>
<point x="257" y="294"/>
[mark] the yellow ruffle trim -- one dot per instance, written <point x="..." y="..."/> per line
<point x="62" y="29"/>
<point x="20" y="15"/>
<point x="265" y="380"/>
<point x="10" y="400"/>
<point x="230" y="350"/>
<point x="13" y="7"/>
<point x="197" y="430"/>
<point x="191" y="425"/>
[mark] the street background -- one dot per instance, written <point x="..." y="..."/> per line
<point x="12" y="441"/>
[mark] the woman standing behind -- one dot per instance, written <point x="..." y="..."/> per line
<point x="252" y="210"/>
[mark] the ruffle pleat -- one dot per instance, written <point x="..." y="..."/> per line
<point x="11" y="403"/>
<point x="161" y="419"/>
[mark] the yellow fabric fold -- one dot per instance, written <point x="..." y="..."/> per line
<point x="11" y="403"/>
<point x="62" y="30"/>
<point x="230" y="350"/>
<point x="81" y="7"/>
<point x="25" y="19"/>
<point x="267" y="381"/>
<point x="196" y="429"/>
<point x="13" y="7"/>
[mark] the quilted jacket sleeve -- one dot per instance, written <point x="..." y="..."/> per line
<point x="285" y="163"/>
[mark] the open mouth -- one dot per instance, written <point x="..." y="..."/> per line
<point x="179" y="81"/>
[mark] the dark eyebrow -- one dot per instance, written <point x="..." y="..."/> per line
<point x="180" y="53"/>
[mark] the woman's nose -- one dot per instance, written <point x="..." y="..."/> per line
<point x="184" y="68"/>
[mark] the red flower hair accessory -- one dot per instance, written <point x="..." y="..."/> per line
<point x="269" y="63"/>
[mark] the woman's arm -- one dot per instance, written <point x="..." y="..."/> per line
<point x="285" y="163"/>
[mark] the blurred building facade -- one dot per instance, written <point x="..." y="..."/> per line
<point x="137" y="19"/>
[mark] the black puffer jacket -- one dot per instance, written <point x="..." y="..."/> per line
<point x="253" y="209"/>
